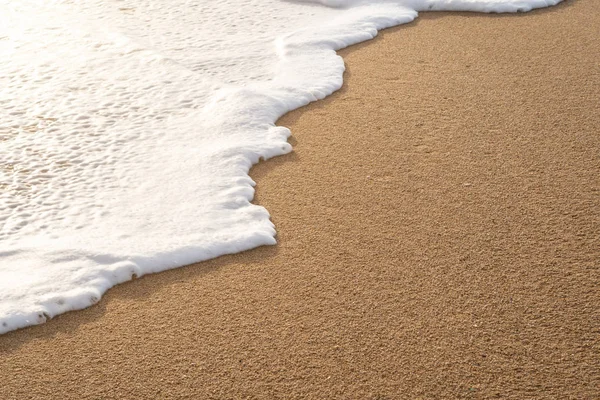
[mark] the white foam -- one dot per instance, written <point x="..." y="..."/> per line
<point x="127" y="130"/>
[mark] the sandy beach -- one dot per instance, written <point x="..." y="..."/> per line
<point x="439" y="238"/>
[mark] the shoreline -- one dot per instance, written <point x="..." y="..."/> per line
<point x="444" y="250"/>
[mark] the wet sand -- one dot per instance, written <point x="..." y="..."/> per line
<point x="439" y="238"/>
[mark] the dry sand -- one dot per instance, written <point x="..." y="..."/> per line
<point x="439" y="226"/>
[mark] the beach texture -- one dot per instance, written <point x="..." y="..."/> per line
<point x="439" y="238"/>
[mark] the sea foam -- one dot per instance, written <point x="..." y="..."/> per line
<point x="127" y="130"/>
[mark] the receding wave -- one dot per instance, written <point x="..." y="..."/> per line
<point x="127" y="130"/>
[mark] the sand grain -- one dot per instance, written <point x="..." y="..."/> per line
<point x="439" y="226"/>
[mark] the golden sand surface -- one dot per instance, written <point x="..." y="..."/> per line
<point x="439" y="238"/>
